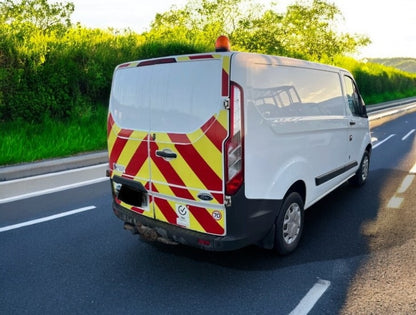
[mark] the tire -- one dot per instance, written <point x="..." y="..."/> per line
<point x="361" y="176"/>
<point x="289" y="224"/>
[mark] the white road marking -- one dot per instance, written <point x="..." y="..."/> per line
<point x="395" y="202"/>
<point x="381" y="142"/>
<point x="310" y="299"/>
<point x="53" y="190"/>
<point x="407" y="181"/>
<point x="413" y="169"/>
<point x="49" y="218"/>
<point x="406" y="136"/>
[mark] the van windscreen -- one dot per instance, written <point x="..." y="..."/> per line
<point x="176" y="97"/>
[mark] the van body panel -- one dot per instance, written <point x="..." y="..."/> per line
<point x="167" y="127"/>
<point x="248" y="222"/>
<point x="196" y="170"/>
<point x="180" y="127"/>
<point x="297" y="125"/>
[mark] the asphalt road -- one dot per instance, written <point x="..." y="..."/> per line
<point x="85" y="262"/>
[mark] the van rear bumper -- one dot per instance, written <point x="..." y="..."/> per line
<point x="248" y="222"/>
<point x="181" y="235"/>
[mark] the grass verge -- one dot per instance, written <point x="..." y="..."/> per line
<point x="28" y="142"/>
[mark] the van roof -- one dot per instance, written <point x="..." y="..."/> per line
<point x="287" y="61"/>
<point x="252" y="57"/>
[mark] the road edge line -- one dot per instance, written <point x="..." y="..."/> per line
<point x="53" y="190"/>
<point x="45" y="219"/>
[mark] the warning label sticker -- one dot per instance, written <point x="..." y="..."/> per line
<point x="183" y="215"/>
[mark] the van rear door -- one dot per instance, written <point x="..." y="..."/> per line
<point x="178" y="103"/>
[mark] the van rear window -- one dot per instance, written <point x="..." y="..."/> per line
<point x="172" y="97"/>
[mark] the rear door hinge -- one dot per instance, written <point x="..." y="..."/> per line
<point x="227" y="201"/>
<point x="226" y="103"/>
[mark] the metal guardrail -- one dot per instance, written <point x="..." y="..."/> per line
<point x="385" y="105"/>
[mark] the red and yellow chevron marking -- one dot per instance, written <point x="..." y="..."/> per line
<point x="132" y="208"/>
<point x="174" y="185"/>
<point x="130" y="149"/>
<point x="199" y="219"/>
<point x="197" y="168"/>
<point x="199" y="163"/>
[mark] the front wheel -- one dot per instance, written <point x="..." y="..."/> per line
<point x="289" y="224"/>
<point x="360" y="177"/>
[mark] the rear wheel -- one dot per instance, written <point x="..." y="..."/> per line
<point x="360" y="177"/>
<point x="289" y="224"/>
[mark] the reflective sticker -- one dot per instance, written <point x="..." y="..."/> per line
<point x="183" y="215"/>
<point x="217" y="215"/>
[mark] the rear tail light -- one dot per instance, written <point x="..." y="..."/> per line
<point x="234" y="148"/>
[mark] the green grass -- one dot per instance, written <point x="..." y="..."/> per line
<point x="28" y="142"/>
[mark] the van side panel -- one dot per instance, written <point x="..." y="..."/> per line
<point x="296" y="126"/>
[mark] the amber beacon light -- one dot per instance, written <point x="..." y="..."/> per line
<point x="222" y="44"/>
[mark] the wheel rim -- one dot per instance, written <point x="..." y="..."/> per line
<point x="291" y="223"/>
<point x="364" y="169"/>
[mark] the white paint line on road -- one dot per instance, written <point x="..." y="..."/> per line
<point x="413" y="169"/>
<point x="381" y="142"/>
<point x="407" y="181"/>
<point x="53" y="190"/>
<point x="49" y="218"/>
<point x="408" y="135"/>
<point x="395" y="202"/>
<point x="310" y="299"/>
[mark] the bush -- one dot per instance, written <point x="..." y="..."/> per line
<point x="379" y="83"/>
<point x="61" y="74"/>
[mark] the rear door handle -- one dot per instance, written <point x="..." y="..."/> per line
<point x="352" y="123"/>
<point x="166" y="154"/>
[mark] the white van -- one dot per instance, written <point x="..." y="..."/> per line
<point x="227" y="149"/>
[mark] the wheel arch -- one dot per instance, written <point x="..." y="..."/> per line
<point x="369" y="149"/>
<point x="299" y="187"/>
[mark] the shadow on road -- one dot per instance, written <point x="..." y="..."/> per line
<point x="333" y="230"/>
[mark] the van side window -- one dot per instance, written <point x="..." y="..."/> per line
<point x="286" y="91"/>
<point x="355" y="102"/>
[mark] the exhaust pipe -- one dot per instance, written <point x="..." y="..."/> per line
<point x="147" y="233"/>
<point x="130" y="227"/>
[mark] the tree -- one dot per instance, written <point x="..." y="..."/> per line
<point x="40" y="14"/>
<point x="201" y="21"/>
<point x="27" y="29"/>
<point x="307" y="29"/>
<point x="262" y="34"/>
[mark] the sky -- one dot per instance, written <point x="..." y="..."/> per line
<point x="390" y="24"/>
